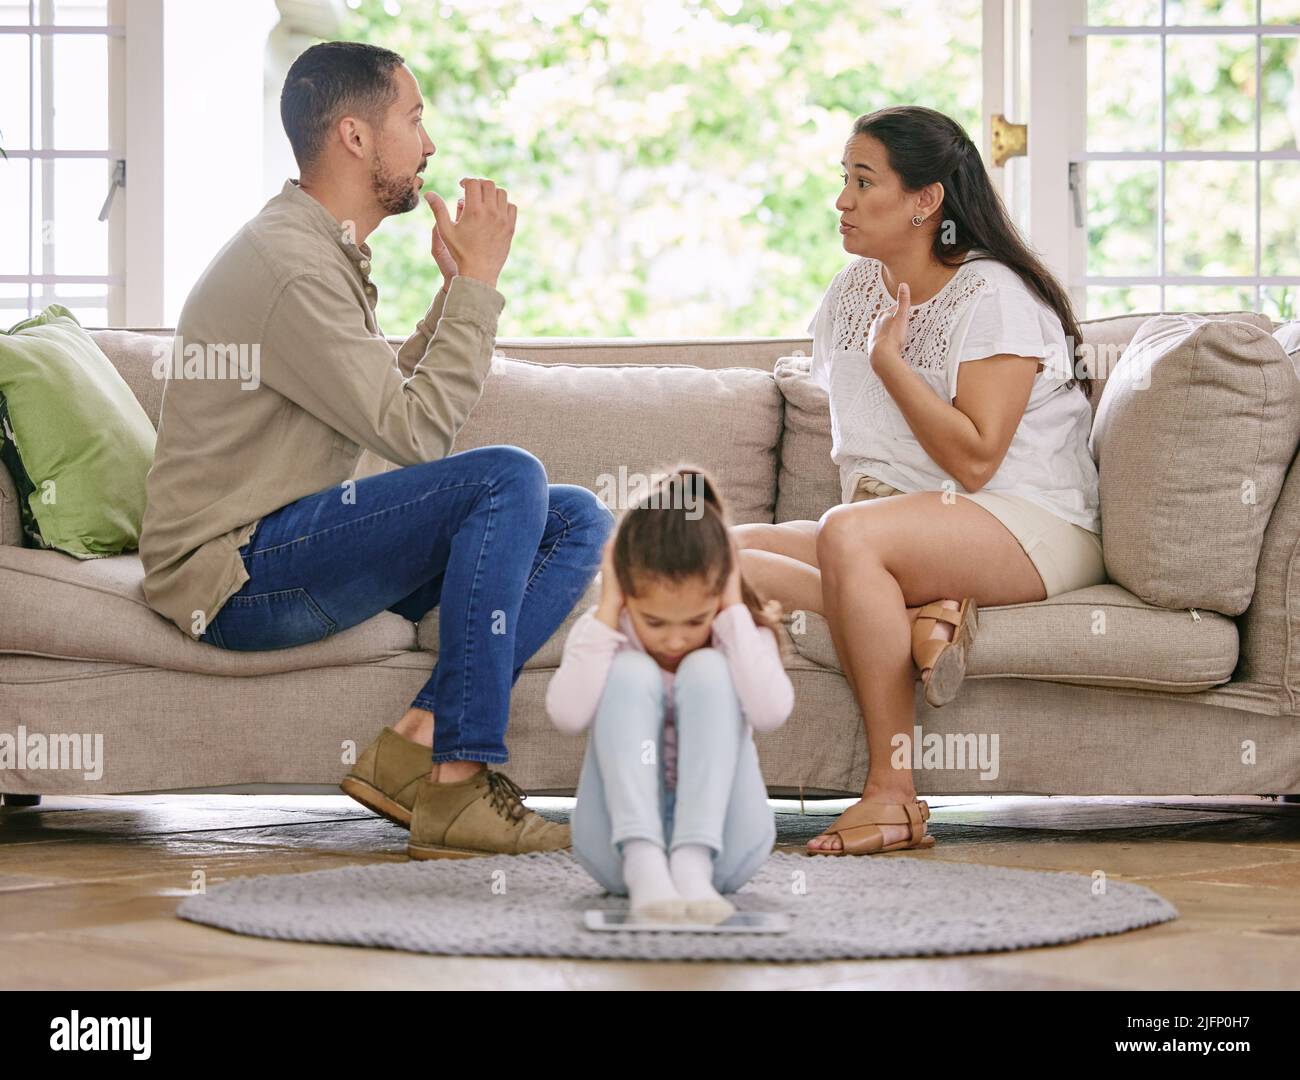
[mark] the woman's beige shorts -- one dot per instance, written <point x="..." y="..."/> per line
<point x="1067" y="556"/>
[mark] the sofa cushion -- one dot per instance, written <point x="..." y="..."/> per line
<point x="808" y="483"/>
<point x="95" y="610"/>
<point x="603" y="427"/>
<point x="78" y="444"/>
<point x="1104" y="341"/>
<point x="136" y="355"/>
<point x="1193" y="435"/>
<point x="1098" y="636"/>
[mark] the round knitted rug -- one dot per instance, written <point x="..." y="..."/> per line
<point x="533" y="905"/>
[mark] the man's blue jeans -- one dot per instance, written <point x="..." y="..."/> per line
<point x="481" y="535"/>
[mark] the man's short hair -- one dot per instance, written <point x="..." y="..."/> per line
<point x="332" y="80"/>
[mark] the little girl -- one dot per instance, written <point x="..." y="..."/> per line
<point x="675" y="665"/>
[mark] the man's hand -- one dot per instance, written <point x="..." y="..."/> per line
<point x="478" y="241"/>
<point x="439" y="251"/>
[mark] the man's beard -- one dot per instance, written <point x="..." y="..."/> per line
<point x="396" y="194"/>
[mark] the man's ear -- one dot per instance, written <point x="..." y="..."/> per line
<point x="352" y="136"/>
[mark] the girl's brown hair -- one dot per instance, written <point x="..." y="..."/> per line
<point x="657" y="538"/>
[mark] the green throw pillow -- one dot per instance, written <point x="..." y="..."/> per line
<point x="82" y="443"/>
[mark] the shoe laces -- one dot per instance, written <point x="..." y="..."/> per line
<point x="505" y="795"/>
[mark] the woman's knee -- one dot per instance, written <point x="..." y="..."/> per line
<point x="842" y="534"/>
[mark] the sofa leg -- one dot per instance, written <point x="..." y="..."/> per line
<point x="20" y="800"/>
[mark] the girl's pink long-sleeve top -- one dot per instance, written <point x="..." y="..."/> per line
<point x="762" y="686"/>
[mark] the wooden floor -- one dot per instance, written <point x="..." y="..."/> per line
<point x="88" y="890"/>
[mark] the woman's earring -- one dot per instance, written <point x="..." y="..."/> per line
<point x="918" y="220"/>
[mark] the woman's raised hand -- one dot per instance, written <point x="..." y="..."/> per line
<point x="891" y="331"/>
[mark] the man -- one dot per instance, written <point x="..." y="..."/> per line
<point x="255" y="534"/>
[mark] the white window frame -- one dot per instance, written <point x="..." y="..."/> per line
<point x="134" y="94"/>
<point x="1058" y="133"/>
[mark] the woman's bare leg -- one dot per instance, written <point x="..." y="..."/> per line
<point x="780" y="564"/>
<point x="876" y="559"/>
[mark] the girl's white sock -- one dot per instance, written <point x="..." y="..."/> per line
<point x="691" y="866"/>
<point x="650" y="886"/>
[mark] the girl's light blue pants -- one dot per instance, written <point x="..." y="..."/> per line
<point x="720" y="799"/>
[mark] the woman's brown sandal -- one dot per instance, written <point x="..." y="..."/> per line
<point x="860" y="834"/>
<point x="945" y="659"/>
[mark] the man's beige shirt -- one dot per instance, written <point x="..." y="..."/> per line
<point x="328" y="386"/>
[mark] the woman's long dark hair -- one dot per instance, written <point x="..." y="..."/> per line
<point x="924" y="147"/>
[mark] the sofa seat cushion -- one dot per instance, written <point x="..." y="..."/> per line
<point x="56" y="606"/>
<point x="1098" y="636"/>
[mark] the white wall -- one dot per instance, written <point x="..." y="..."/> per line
<point x="214" y="114"/>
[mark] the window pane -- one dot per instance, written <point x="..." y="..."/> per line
<point x="80" y="100"/>
<point x="13" y="305"/>
<point x="1210" y="218"/>
<point x="1103" y="300"/>
<point x="675" y="166"/>
<point x="1210" y="12"/>
<point x="68" y="236"/>
<point x="1123" y="93"/>
<point x="1123" y="12"/>
<point x="1280" y="119"/>
<point x="1209" y="298"/>
<point x="89" y="303"/>
<point x="1280" y="302"/>
<point x="13" y="216"/>
<point x="81" y="12"/>
<point x="15" y="13"/>
<point x="14" y="92"/>
<point x="1211" y="84"/>
<point x="1282" y="11"/>
<point x="1279" y="186"/>
<point x="1122" y="200"/>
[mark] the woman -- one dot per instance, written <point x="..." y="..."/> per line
<point x="961" y="435"/>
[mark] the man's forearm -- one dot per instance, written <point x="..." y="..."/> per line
<point x="413" y="349"/>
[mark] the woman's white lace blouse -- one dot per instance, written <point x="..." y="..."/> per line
<point x="984" y="310"/>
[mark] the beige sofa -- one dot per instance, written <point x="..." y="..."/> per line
<point x="1167" y="700"/>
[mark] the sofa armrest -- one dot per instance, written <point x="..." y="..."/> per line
<point x="11" y="528"/>
<point x="1270" y="627"/>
